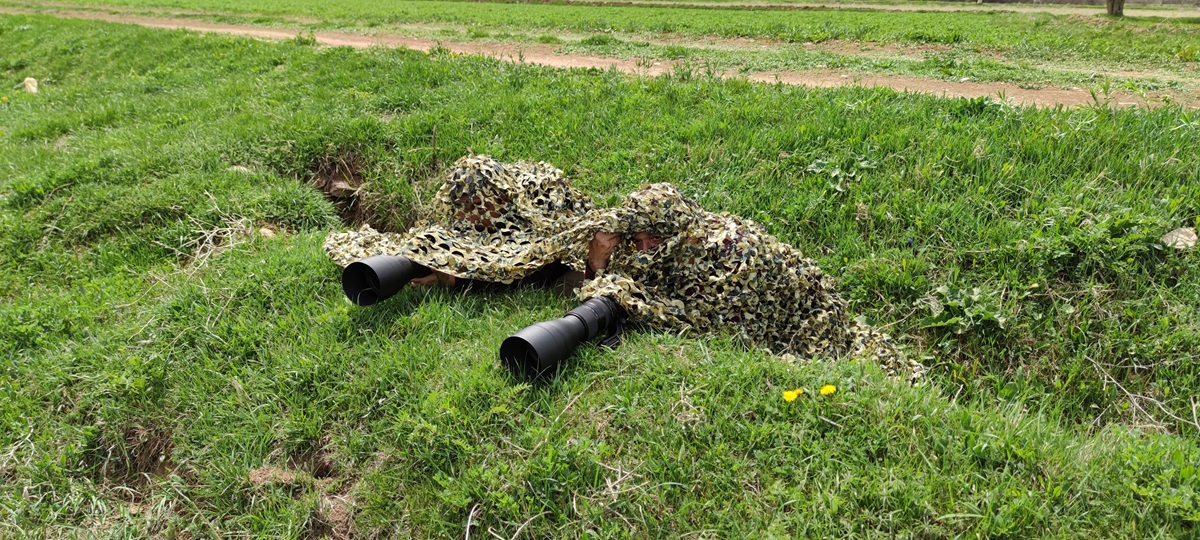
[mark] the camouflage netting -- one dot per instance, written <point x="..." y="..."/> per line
<point x="489" y="221"/>
<point x="712" y="272"/>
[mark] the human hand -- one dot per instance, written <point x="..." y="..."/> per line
<point x="435" y="277"/>
<point x="601" y="248"/>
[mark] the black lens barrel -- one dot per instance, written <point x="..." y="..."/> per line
<point x="539" y="349"/>
<point x="375" y="279"/>
<point x="536" y="351"/>
<point x="597" y="315"/>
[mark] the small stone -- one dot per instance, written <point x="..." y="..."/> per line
<point x="31" y="85"/>
<point x="240" y="169"/>
<point x="266" y="233"/>
<point x="341" y="189"/>
<point x="1181" y="238"/>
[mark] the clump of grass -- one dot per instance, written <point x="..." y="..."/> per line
<point x="305" y="40"/>
<point x="676" y="52"/>
<point x="600" y="40"/>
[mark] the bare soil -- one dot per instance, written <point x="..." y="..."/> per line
<point x="267" y="475"/>
<point x="1088" y="11"/>
<point x="545" y="55"/>
<point x="1039" y="97"/>
<point x="1180" y="11"/>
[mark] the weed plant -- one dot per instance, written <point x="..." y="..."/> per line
<point x="170" y="369"/>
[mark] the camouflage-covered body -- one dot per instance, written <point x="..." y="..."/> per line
<point x="489" y="222"/>
<point x="712" y="272"/>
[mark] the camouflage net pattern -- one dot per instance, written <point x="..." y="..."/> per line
<point x="489" y="222"/>
<point x="713" y="272"/>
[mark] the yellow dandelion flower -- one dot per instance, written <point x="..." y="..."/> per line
<point x="828" y="389"/>
<point x="790" y="395"/>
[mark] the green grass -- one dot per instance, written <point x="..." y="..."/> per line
<point x="1029" y="49"/>
<point x="949" y="65"/>
<point x="143" y="316"/>
<point x="1039" y="36"/>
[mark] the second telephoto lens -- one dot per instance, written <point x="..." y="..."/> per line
<point x="538" y="350"/>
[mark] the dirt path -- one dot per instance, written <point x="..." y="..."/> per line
<point x="545" y="55"/>
<point x="1164" y="11"/>
<point x="1168" y="11"/>
<point x="1181" y="11"/>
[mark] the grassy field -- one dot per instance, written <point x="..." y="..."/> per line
<point x="1033" y="49"/>
<point x="1030" y="35"/>
<point x="170" y="369"/>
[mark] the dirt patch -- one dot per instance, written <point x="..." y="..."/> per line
<point x="544" y="55"/>
<point x="334" y="517"/>
<point x="1168" y="11"/>
<point x="149" y="449"/>
<point x="340" y="178"/>
<point x="269" y="475"/>
<point x="1043" y="97"/>
<point x="132" y="457"/>
<point x="316" y="463"/>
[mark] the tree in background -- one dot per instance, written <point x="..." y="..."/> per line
<point x="1115" y="8"/>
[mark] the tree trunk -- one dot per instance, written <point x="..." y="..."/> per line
<point x="1116" y="8"/>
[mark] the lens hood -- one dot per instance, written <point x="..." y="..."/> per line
<point x="375" y="279"/>
<point x="539" y="349"/>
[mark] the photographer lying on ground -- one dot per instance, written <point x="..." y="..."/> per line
<point x="665" y="260"/>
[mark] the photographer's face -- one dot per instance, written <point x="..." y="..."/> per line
<point x="643" y="241"/>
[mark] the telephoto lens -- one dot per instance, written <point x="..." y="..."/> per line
<point x="538" y="350"/>
<point x="375" y="279"/>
